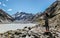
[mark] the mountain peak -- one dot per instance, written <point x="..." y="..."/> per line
<point x="23" y="16"/>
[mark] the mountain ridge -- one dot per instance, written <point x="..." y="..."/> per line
<point x="5" y="17"/>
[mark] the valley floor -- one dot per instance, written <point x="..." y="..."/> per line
<point x="13" y="26"/>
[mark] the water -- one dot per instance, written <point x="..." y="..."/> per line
<point x="7" y="27"/>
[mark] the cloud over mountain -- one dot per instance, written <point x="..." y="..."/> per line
<point x="9" y="10"/>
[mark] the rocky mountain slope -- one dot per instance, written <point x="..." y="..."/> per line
<point x="5" y="17"/>
<point x="53" y="15"/>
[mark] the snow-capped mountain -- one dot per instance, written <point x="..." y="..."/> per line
<point x="22" y="16"/>
<point x="5" y="17"/>
<point x="19" y="17"/>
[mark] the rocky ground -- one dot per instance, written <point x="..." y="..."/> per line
<point x="32" y="32"/>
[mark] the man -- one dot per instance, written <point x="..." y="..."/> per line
<point x="46" y="22"/>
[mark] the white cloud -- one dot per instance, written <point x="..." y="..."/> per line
<point x="4" y="5"/>
<point x="0" y="3"/>
<point x="9" y="10"/>
<point x="7" y="0"/>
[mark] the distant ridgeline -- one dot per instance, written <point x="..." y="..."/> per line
<point x="21" y="17"/>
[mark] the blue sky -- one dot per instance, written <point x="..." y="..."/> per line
<point x="28" y="6"/>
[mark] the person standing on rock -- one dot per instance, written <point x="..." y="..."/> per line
<point x="46" y="22"/>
